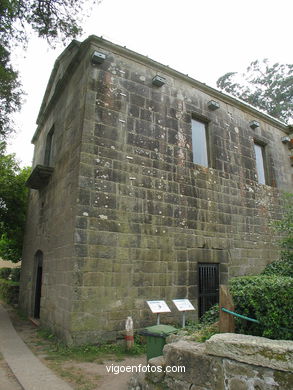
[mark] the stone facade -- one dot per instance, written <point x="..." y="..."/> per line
<point x="125" y="214"/>
<point x="254" y="363"/>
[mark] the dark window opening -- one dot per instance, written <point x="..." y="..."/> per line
<point x="49" y="148"/>
<point x="38" y="283"/>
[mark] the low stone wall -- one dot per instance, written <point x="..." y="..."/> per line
<point x="225" y="362"/>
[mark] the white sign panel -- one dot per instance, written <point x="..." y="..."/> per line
<point x="183" y="304"/>
<point x="158" y="306"/>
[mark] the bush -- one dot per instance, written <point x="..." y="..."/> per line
<point x="206" y="327"/>
<point x="9" y="291"/>
<point x="5" y="273"/>
<point x="15" y="274"/>
<point x="283" y="267"/>
<point x="12" y="274"/>
<point x="268" y="299"/>
<point x="210" y="316"/>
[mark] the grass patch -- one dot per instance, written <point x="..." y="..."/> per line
<point x="88" y="353"/>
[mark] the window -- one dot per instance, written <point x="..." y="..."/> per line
<point x="199" y="143"/>
<point x="260" y="165"/>
<point x="49" y="148"/>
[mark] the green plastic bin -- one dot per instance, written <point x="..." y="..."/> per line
<point x="156" y="338"/>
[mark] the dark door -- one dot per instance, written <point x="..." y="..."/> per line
<point x="38" y="286"/>
<point x="208" y="286"/>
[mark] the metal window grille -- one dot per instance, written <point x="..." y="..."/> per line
<point x="208" y="286"/>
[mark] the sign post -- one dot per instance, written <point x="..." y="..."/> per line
<point x="158" y="307"/>
<point x="183" y="305"/>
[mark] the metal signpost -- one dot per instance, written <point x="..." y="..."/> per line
<point x="183" y="305"/>
<point x="158" y="307"/>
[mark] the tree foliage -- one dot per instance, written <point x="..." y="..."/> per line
<point x="50" y="19"/>
<point x="10" y="93"/>
<point x="13" y="204"/>
<point x="265" y="86"/>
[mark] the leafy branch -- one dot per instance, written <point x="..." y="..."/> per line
<point x="267" y="87"/>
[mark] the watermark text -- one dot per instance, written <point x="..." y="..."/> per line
<point x="115" y="369"/>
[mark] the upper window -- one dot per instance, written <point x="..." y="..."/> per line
<point x="199" y="143"/>
<point x="260" y="163"/>
<point x="49" y="148"/>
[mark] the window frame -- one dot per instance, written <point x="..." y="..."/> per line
<point x="49" y="147"/>
<point x="263" y="146"/>
<point x="205" y="123"/>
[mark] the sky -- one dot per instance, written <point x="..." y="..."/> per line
<point x="202" y="38"/>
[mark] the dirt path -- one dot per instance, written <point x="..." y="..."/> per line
<point x="79" y="375"/>
<point x="108" y="380"/>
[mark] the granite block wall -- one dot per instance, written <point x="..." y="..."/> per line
<point x="127" y="215"/>
<point x="51" y="213"/>
<point x="147" y="214"/>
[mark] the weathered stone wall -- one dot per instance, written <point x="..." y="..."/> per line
<point x="127" y="216"/>
<point x="51" y="213"/>
<point x="225" y="362"/>
<point x="147" y="214"/>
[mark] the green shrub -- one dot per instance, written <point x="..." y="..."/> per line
<point x="268" y="299"/>
<point x="15" y="274"/>
<point x="283" y="267"/>
<point x="9" y="291"/>
<point x="12" y="274"/>
<point x="205" y="333"/>
<point x="205" y="328"/>
<point x="5" y="273"/>
<point x="210" y="316"/>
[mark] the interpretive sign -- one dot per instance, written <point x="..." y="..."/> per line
<point x="183" y="304"/>
<point x="158" y="307"/>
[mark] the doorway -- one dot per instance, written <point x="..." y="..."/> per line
<point x="208" y="286"/>
<point x="38" y="283"/>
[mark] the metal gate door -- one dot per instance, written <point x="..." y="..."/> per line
<point x="208" y="286"/>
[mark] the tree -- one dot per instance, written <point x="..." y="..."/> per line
<point x="10" y="93"/>
<point x="267" y="87"/>
<point x="13" y="204"/>
<point x="50" y="19"/>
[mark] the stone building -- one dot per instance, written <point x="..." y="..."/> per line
<point x="146" y="184"/>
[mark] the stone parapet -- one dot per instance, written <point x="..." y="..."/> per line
<point x="225" y="362"/>
<point x="260" y="351"/>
